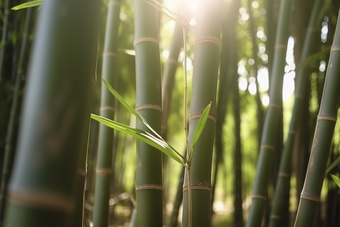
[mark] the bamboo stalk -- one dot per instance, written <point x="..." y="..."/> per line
<point x="259" y="195"/>
<point x="322" y="141"/>
<point x="207" y="50"/>
<point x="168" y="83"/>
<point x="149" y="186"/>
<point x="228" y="56"/>
<point x="55" y="114"/>
<point x="283" y="183"/>
<point x="169" y="74"/>
<point x="107" y="109"/>
<point x="13" y="114"/>
<point x="4" y="37"/>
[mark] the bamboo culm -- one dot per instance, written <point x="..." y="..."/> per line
<point x="322" y="141"/>
<point x="107" y="107"/>
<point x="54" y="116"/>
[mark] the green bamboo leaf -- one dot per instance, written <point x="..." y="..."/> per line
<point x="27" y="5"/>
<point x="130" y="108"/>
<point x="199" y="128"/>
<point x="331" y="166"/>
<point x="140" y="117"/>
<point x="144" y="136"/>
<point x="336" y="180"/>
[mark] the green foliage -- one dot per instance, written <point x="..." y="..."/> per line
<point x="142" y="135"/>
<point x="153" y="138"/>
<point x="336" y="180"/>
<point x="28" y="4"/>
<point x="199" y="129"/>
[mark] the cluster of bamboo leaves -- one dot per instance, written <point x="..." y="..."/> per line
<point x="152" y="138"/>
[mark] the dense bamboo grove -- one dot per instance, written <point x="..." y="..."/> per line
<point x="270" y="70"/>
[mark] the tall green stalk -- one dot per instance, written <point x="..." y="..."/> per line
<point x="105" y="139"/>
<point x="238" y="199"/>
<point x="259" y="107"/>
<point x="283" y="183"/>
<point x="207" y="51"/>
<point x="173" y="217"/>
<point x="167" y="88"/>
<point x="55" y="114"/>
<point x="4" y="37"/>
<point x="322" y="141"/>
<point x="229" y="21"/>
<point x="149" y="187"/>
<point x="169" y="74"/>
<point x="269" y="132"/>
<point x="13" y="115"/>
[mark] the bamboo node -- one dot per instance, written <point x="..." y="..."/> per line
<point x="208" y="39"/>
<point x="145" y="39"/>
<point x="114" y="2"/>
<point x="109" y="53"/>
<point x="171" y="60"/>
<point x="280" y="46"/>
<point x="258" y="197"/>
<point x="82" y="172"/>
<point x="326" y="118"/>
<point x="283" y="175"/>
<point x="274" y="105"/>
<point x="149" y="107"/>
<point x="149" y="186"/>
<point x="197" y="187"/>
<point x="311" y="29"/>
<point x="310" y="198"/>
<point x="94" y="82"/>
<point x="292" y="132"/>
<point x="335" y="48"/>
<point x="211" y="116"/>
<point x="266" y="146"/>
<point x="42" y="199"/>
<point x="273" y="216"/>
<point x="298" y="96"/>
<point x="107" y="108"/>
<point x="103" y="171"/>
<point x="20" y="71"/>
<point x="8" y="146"/>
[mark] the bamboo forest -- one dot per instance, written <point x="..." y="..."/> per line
<point x="151" y="113"/>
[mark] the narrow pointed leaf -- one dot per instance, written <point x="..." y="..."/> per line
<point x="331" y="166"/>
<point x="199" y="128"/>
<point x="129" y="108"/>
<point x="28" y="4"/>
<point x="336" y="180"/>
<point x="144" y="136"/>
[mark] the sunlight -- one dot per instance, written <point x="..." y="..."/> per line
<point x="252" y="85"/>
<point x="242" y="83"/>
<point x="263" y="74"/>
<point x="262" y="77"/>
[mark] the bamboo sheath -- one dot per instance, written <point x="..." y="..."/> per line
<point x="259" y="195"/>
<point x="207" y="50"/>
<point x="107" y="108"/>
<point x="149" y="187"/>
<point x="55" y="115"/>
<point x="322" y="141"/>
<point x="283" y="183"/>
